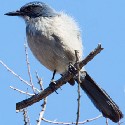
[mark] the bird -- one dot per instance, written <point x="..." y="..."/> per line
<point x="53" y="38"/>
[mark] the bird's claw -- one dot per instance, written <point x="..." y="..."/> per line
<point x="72" y="69"/>
<point x="52" y="86"/>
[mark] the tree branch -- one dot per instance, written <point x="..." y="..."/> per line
<point x="28" y="68"/>
<point x="16" y="75"/>
<point x="71" y="123"/>
<point x="26" y="118"/>
<point x="79" y="93"/>
<point x="59" y="83"/>
<point x="22" y="92"/>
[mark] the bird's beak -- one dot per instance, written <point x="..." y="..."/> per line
<point x="15" y="13"/>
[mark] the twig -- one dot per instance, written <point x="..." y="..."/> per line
<point x="28" y="68"/>
<point x="18" y="76"/>
<point x="42" y="112"/>
<point x="44" y="102"/>
<point x="79" y="94"/>
<point x="39" y="81"/>
<point x="91" y="56"/>
<point x="119" y="123"/>
<point x="22" y="92"/>
<point x="59" y="83"/>
<point x="26" y="118"/>
<point x="107" y="121"/>
<point x="70" y="123"/>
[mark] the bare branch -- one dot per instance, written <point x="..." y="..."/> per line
<point x="107" y="121"/>
<point x="18" y="76"/>
<point x="91" y="56"/>
<point x="28" y="68"/>
<point x="44" y="102"/>
<point x="42" y="112"/>
<point x="79" y="94"/>
<point x="20" y="91"/>
<point x="40" y="82"/>
<point x="59" y="83"/>
<point x="71" y="123"/>
<point x="26" y="118"/>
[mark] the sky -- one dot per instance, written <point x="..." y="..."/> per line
<point x="100" y="22"/>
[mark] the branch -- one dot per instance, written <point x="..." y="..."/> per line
<point x="91" y="56"/>
<point x="42" y="111"/>
<point x="28" y="68"/>
<point x="44" y="102"/>
<point x="20" y="91"/>
<point x="79" y="81"/>
<point x="40" y="82"/>
<point x="107" y="123"/>
<point x="59" y="83"/>
<point x="71" y="123"/>
<point x="26" y="118"/>
<point x="18" y="76"/>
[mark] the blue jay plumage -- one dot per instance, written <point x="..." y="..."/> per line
<point x="53" y="38"/>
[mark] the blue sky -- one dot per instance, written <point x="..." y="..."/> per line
<point x="100" y="22"/>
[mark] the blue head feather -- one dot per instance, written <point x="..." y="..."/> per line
<point x="36" y="9"/>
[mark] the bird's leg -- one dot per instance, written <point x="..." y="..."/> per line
<point x="53" y="83"/>
<point x="54" y="72"/>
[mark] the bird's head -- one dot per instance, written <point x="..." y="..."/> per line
<point x="33" y="10"/>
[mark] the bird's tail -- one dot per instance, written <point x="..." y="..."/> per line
<point x="100" y="99"/>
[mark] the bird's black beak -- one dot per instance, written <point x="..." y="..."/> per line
<point x="15" y="13"/>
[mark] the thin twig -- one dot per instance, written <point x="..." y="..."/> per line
<point x="70" y="123"/>
<point x="28" y="68"/>
<point x="40" y="82"/>
<point x="18" y="76"/>
<point x="26" y="118"/>
<point x="44" y="101"/>
<point x="20" y="91"/>
<point x="66" y="77"/>
<point x="119" y="123"/>
<point x="42" y="111"/>
<point x="91" y="56"/>
<point x="79" y="94"/>
<point x="107" y="121"/>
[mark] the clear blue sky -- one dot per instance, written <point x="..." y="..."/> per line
<point x="100" y="22"/>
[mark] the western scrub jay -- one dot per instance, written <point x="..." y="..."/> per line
<point x="53" y="38"/>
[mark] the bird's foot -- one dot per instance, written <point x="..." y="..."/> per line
<point x="52" y="86"/>
<point x="72" y="69"/>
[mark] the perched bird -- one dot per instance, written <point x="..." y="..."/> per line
<point x="53" y="38"/>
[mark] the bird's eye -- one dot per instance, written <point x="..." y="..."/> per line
<point x="26" y="9"/>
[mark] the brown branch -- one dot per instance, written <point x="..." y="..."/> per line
<point x="91" y="56"/>
<point x="59" y="83"/>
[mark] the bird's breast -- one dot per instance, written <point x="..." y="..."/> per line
<point x="52" y="49"/>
